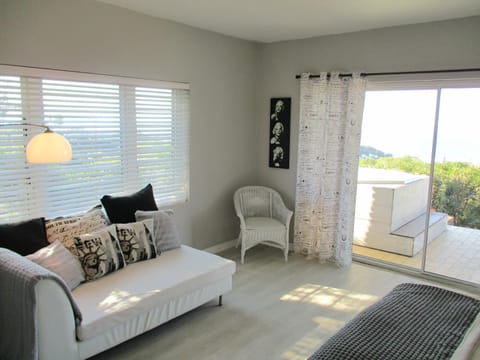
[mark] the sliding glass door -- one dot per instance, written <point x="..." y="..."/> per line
<point x="418" y="203"/>
<point x="393" y="181"/>
<point x="456" y="186"/>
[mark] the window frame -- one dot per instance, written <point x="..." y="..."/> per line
<point x="180" y="159"/>
<point x="423" y="81"/>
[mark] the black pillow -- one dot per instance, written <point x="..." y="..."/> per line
<point x="121" y="209"/>
<point x="24" y="237"/>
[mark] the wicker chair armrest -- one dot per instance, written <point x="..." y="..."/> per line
<point x="281" y="212"/>
<point x="238" y="211"/>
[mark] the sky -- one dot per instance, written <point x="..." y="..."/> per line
<point x="401" y="122"/>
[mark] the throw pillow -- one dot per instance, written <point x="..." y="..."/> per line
<point x="24" y="237"/>
<point x="136" y="241"/>
<point x="99" y="252"/>
<point x="121" y="209"/>
<point x="56" y="258"/>
<point x="166" y="236"/>
<point x="64" y="229"/>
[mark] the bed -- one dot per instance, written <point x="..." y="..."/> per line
<point x="413" y="321"/>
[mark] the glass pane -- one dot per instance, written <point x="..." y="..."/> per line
<point x="392" y="192"/>
<point x="456" y="251"/>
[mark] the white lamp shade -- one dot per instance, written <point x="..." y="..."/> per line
<point x="48" y="147"/>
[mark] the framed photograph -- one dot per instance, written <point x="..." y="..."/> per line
<point x="279" y="135"/>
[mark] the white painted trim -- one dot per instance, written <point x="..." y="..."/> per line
<point x="423" y="81"/>
<point x="88" y="77"/>
<point x="215" y="249"/>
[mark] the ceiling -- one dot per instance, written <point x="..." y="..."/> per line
<point x="278" y="20"/>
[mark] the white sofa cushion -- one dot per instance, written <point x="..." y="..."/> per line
<point x="143" y="286"/>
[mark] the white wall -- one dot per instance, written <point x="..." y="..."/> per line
<point x="440" y="45"/>
<point x="231" y="81"/>
<point x="89" y="36"/>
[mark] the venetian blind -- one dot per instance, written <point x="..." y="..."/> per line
<point x="124" y="132"/>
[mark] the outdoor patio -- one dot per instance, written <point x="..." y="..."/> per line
<point x="455" y="253"/>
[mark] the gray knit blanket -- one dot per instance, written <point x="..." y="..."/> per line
<point x="411" y="322"/>
<point x="18" y="331"/>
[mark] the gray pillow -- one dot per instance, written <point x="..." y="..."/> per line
<point x="166" y="236"/>
<point x="56" y="258"/>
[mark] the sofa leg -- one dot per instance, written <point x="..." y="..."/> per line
<point x="220" y="300"/>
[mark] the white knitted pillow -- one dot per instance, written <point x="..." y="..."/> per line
<point x="56" y="258"/>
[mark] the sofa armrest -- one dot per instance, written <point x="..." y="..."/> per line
<point x="56" y="334"/>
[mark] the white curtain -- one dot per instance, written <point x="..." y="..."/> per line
<point x="331" y="112"/>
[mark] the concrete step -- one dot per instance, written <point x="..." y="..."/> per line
<point x="406" y="240"/>
<point x="416" y="227"/>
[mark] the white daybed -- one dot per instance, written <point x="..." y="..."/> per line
<point x="127" y="303"/>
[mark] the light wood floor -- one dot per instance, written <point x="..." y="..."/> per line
<point x="276" y="310"/>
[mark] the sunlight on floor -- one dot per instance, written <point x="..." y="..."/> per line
<point x="334" y="299"/>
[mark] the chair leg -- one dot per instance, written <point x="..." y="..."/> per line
<point x="285" y="252"/>
<point x="243" y="250"/>
<point x="239" y="240"/>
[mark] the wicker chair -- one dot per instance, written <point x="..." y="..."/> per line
<point x="264" y="219"/>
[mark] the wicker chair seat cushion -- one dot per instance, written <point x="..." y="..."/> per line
<point x="263" y="223"/>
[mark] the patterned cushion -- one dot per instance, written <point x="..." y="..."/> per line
<point x="136" y="241"/>
<point x="65" y="228"/>
<point x="56" y="258"/>
<point x="99" y="252"/>
<point x="166" y="237"/>
<point x="121" y="209"/>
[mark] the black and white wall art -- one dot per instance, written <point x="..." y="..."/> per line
<point x="279" y="135"/>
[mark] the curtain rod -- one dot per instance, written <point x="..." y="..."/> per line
<point x="398" y="73"/>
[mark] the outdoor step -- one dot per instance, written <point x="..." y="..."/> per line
<point x="417" y="226"/>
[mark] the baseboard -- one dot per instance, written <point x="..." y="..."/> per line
<point x="221" y="247"/>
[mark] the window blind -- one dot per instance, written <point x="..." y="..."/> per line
<point x="124" y="135"/>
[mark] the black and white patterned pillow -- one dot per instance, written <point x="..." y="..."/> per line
<point x="99" y="252"/>
<point x="137" y="241"/>
<point x="65" y="228"/>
